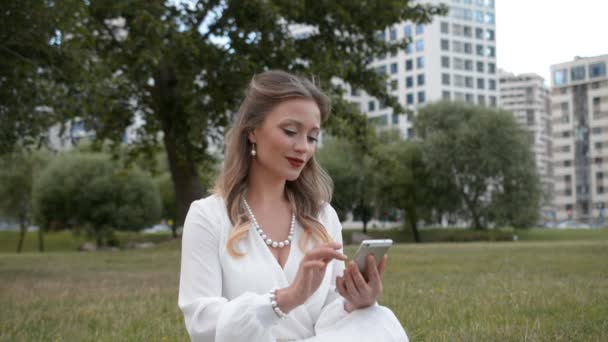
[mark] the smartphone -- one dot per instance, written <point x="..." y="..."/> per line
<point x="377" y="248"/>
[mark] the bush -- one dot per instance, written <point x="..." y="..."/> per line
<point x="89" y="190"/>
<point x="436" y="235"/>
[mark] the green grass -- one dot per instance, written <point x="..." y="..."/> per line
<point x="66" y="241"/>
<point x="524" y="291"/>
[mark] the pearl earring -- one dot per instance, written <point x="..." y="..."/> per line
<point x="253" y="151"/>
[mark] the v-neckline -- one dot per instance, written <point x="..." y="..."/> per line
<point x="269" y="252"/>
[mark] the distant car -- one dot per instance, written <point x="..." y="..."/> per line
<point x="157" y="228"/>
<point x="573" y="225"/>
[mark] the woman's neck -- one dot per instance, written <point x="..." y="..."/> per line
<point x="263" y="188"/>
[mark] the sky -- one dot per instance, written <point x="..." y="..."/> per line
<point x="531" y="35"/>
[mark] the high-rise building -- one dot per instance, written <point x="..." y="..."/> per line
<point x="579" y="98"/>
<point x="527" y="97"/>
<point x="453" y="58"/>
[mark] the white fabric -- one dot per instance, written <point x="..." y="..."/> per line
<point x="227" y="299"/>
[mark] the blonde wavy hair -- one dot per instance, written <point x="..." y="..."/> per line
<point x="307" y="193"/>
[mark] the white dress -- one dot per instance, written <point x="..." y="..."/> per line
<point x="227" y="299"/>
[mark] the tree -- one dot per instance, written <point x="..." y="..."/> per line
<point x="182" y="65"/>
<point x="404" y="180"/>
<point x="17" y="174"/>
<point x="90" y="191"/>
<point x="485" y="155"/>
<point x="351" y="171"/>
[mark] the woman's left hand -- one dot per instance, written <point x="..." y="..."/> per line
<point x="359" y="292"/>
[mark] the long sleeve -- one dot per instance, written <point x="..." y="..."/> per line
<point x="209" y="316"/>
<point x="333" y="309"/>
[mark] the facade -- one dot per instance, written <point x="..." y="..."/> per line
<point x="528" y="99"/>
<point x="452" y="58"/>
<point x="579" y="97"/>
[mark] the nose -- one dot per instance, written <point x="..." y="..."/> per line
<point x="301" y="144"/>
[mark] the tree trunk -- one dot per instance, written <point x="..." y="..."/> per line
<point x="22" y="231"/>
<point x="186" y="184"/>
<point x="180" y="151"/>
<point x="364" y="226"/>
<point x="412" y="218"/>
<point x="40" y="240"/>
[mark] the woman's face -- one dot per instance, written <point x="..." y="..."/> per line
<point x="287" y="138"/>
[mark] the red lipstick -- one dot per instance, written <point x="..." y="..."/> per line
<point x="295" y="162"/>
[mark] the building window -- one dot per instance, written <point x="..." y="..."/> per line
<point x="408" y="49"/>
<point x="407" y="30"/>
<point x="459" y="96"/>
<point x="468" y="65"/>
<point x="599" y="175"/>
<point x="492" y="84"/>
<point x="565" y="106"/>
<point x="445" y="61"/>
<point x="420" y="62"/>
<point x="420" y="45"/>
<point x="457" y="46"/>
<point x="530" y="117"/>
<point x="479" y="66"/>
<point x="493" y="101"/>
<point x="409" y="99"/>
<point x="421" y="98"/>
<point x="381" y="69"/>
<point x="394" y="84"/>
<point x="490" y="18"/>
<point x="458" y="63"/>
<point x="479" y="33"/>
<point x="567" y="162"/>
<point x="445" y="79"/>
<point x="445" y="27"/>
<point x="489" y="35"/>
<point x="393" y="34"/>
<point x="491" y="68"/>
<point x="479" y="50"/>
<point x="478" y="17"/>
<point x="468" y="82"/>
<point x="481" y="99"/>
<point x="600" y="189"/>
<point x="371" y="106"/>
<point x="445" y="95"/>
<point x="420" y="80"/>
<point x="560" y="77"/>
<point x="393" y="68"/>
<point x="598" y="160"/>
<point x="458" y="81"/>
<point x="577" y="73"/>
<point x="490" y="51"/>
<point x="597" y="70"/>
<point x="419" y="29"/>
<point x="409" y="64"/>
<point x="467" y="31"/>
<point x="409" y="82"/>
<point x="395" y="119"/>
<point x="468" y="48"/>
<point x="469" y="98"/>
<point x="480" y="83"/>
<point x="445" y="45"/>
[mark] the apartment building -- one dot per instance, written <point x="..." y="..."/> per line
<point x="579" y="118"/>
<point x="527" y="97"/>
<point x="452" y="58"/>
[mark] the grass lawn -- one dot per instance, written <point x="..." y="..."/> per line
<point x="504" y="291"/>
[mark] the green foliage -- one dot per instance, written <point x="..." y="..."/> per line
<point x="351" y="167"/>
<point x="485" y="156"/>
<point x="183" y="66"/>
<point x="88" y="190"/>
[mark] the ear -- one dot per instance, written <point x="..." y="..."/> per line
<point x="251" y="136"/>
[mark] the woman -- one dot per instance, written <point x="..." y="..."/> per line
<point x="262" y="257"/>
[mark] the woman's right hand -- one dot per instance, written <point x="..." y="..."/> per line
<point x="310" y="274"/>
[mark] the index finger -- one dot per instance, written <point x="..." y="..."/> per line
<point x="325" y="253"/>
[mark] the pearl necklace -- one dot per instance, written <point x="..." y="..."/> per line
<point x="267" y="240"/>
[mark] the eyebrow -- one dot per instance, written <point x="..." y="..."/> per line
<point x="299" y="124"/>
